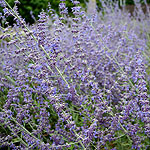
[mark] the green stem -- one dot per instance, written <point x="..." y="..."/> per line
<point x="18" y="137"/>
<point x="11" y="80"/>
<point x="13" y="119"/>
<point x="16" y="15"/>
<point x="121" y="70"/>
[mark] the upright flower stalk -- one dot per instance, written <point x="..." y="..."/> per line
<point x="22" y="22"/>
<point x="143" y="98"/>
<point x="74" y="82"/>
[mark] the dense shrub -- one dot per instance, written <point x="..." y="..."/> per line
<point x="82" y="84"/>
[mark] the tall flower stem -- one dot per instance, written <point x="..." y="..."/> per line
<point x="16" y="15"/>
<point x="121" y="70"/>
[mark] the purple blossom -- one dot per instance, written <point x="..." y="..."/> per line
<point x="82" y="83"/>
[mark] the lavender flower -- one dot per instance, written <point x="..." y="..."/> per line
<point x="80" y="83"/>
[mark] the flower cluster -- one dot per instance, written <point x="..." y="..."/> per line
<point x="80" y="83"/>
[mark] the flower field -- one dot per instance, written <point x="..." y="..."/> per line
<point x="81" y="83"/>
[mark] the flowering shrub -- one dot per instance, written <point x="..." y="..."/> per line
<point x="82" y="84"/>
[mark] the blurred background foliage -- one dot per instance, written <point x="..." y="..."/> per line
<point x="36" y="6"/>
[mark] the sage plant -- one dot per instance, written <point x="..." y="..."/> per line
<point x="81" y="83"/>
